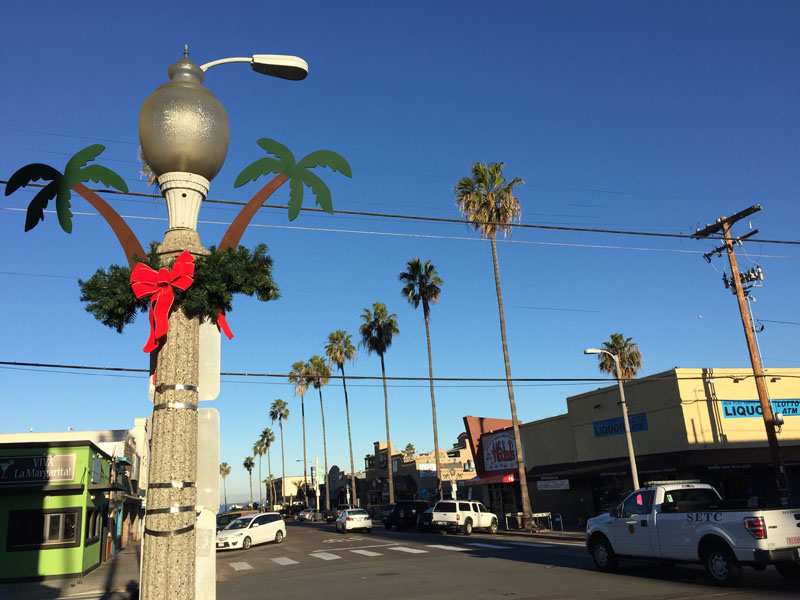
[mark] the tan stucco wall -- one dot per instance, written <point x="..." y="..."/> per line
<point x="548" y="441"/>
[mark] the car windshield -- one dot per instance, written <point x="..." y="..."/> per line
<point x="240" y="523"/>
<point x="446" y="507"/>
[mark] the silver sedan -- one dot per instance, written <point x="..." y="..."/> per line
<point x="353" y="518"/>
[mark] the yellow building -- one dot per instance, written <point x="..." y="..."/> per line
<point x="687" y="423"/>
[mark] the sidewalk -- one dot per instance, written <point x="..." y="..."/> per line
<point x="117" y="579"/>
<point x="571" y="536"/>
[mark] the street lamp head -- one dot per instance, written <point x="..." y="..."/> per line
<point x="284" y="66"/>
<point x="182" y="126"/>
<point x="593" y="351"/>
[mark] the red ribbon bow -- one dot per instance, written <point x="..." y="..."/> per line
<point x="146" y="281"/>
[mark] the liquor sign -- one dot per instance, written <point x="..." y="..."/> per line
<point x="616" y="426"/>
<point x="37" y="469"/>
<point x="743" y="409"/>
<point x="499" y="451"/>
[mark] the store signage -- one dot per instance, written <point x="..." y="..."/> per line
<point x="743" y="409"/>
<point x="552" y="484"/>
<point x="499" y="451"/>
<point x="37" y="469"/>
<point x="609" y="427"/>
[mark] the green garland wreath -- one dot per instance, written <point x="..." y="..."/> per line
<point x="217" y="277"/>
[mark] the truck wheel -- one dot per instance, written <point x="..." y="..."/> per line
<point x="721" y="565"/>
<point x="468" y="527"/>
<point x="790" y="571"/>
<point x="493" y="527"/>
<point x="603" y="555"/>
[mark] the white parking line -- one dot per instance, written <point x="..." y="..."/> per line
<point x="325" y="556"/>
<point x="284" y="561"/>
<point x="240" y="566"/>
<point x="453" y="548"/>
<point x="495" y="546"/>
<point x="408" y="550"/>
<point x="366" y="553"/>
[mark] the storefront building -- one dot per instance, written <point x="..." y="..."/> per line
<point x="686" y="424"/>
<point x="53" y="508"/>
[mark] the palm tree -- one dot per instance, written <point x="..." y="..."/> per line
<point x="320" y="374"/>
<point x="249" y="464"/>
<point x="627" y="351"/>
<point x="224" y="471"/>
<point x="60" y="187"/>
<point x="377" y="330"/>
<point x="339" y="350"/>
<point x="487" y="200"/>
<point x="279" y="411"/>
<point x="268" y="438"/>
<point x="424" y="286"/>
<point x="285" y="168"/>
<point x="259" y="448"/>
<point x="298" y="377"/>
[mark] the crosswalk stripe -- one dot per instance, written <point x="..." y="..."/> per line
<point x="495" y="546"/>
<point x="366" y="553"/>
<point x="240" y="566"/>
<point x="453" y="548"/>
<point x="325" y="555"/>
<point x="408" y="550"/>
<point x="284" y="561"/>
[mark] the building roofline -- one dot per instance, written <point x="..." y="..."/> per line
<point x="64" y="444"/>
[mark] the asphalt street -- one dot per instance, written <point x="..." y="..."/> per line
<point x="316" y="562"/>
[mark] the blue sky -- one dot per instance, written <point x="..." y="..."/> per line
<point x="661" y="116"/>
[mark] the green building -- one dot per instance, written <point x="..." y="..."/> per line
<point x="53" y="508"/>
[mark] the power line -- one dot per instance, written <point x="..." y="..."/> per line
<point x="452" y="220"/>
<point x="778" y="322"/>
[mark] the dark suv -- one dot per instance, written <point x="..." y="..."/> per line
<point x="405" y="514"/>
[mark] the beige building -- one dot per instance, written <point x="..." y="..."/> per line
<point x="687" y="423"/>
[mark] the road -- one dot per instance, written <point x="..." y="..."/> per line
<point x="317" y="562"/>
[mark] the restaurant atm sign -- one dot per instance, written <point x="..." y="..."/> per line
<point x="37" y="469"/>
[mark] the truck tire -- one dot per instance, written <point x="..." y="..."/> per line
<point x="603" y="554"/>
<point x="721" y="564"/>
<point x="790" y="571"/>
<point x="468" y="527"/>
<point x="493" y="527"/>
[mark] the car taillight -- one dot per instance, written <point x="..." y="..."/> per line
<point x="350" y="518"/>
<point x="756" y="527"/>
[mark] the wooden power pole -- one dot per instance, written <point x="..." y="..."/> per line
<point x="737" y="280"/>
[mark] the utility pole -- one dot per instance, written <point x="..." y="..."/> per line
<point x="737" y="280"/>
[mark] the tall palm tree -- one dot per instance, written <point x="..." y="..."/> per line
<point x="339" y="350"/>
<point x="630" y="358"/>
<point x="248" y="464"/>
<point x="224" y="471"/>
<point x="298" y="377"/>
<point x="377" y="330"/>
<point x="259" y="448"/>
<point x="424" y="286"/>
<point x="320" y="374"/>
<point x="268" y="438"/>
<point x="279" y="411"/>
<point x="487" y="200"/>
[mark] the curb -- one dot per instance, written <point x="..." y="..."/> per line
<point x="546" y="536"/>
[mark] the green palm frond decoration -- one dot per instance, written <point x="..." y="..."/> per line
<point x="282" y="162"/>
<point x="60" y="184"/>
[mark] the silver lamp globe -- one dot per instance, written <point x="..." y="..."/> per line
<point x="182" y="126"/>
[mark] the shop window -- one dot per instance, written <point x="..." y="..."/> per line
<point x="92" y="525"/>
<point x="29" y="529"/>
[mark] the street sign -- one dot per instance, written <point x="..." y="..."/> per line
<point x="208" y="364"/>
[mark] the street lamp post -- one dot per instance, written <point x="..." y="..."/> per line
<point x="183" y="131"/>
<point x="624" y="405"/>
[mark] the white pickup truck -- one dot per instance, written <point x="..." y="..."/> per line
<point x="463" y="516"/>
<point x="683" y="521"/>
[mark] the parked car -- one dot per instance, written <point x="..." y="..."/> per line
<point x="353" y="518"/>
<point x="463" y="516"/>
<point x="250" y="530"/>
<point x="687" y="521"/>
<point x="405" y="514"/>
<point x="307" y="514"/>
<point x="225" y="518"/>
<point x="330" y="515"/>
<point x="426" y="520"/>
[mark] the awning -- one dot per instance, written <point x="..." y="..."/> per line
<point x="507" y="477"/>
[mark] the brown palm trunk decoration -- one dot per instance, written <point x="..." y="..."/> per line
<point x="236" y="229"/>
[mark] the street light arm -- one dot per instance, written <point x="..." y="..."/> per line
<point x="222" y="61"/>
<point x="282" y="66"/>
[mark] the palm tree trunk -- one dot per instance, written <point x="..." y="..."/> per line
<point x="425" y="312"/>
<point x="389" y="475"/>
<point x="303" y="419"/>
<point x="523" y="478"/>
<point x="324" y="453"/>
<point x="283" y="467"/>
<point x="235" y="230"/>
<point x="260" y="498"/>
<point x="251" y="487"/>
<point x="271" y="490"/>
<point x="225" y="490"/>
<point x="349" y="439"/>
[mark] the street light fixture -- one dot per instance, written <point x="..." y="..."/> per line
<point x="624" y="405"/>
<point x="183" y="131"/>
